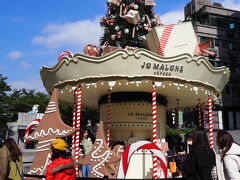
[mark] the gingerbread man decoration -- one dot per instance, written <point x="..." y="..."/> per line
<point x="91" y="50"/>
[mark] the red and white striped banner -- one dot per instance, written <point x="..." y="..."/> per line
<point x="78" y="120"/>
<point x="109" y="117"/>
<point x="74" y="119"/>
<point x="63" y="54"/>
<point x="199" y="114"/>
<point x="29" y="127"/>
<point x="129" y="150"/>
<point x="164" y="39"/>
<point x="154" y="126"/>
<point x="210" y="121"/>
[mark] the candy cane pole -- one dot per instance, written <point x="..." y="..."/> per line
<point x="177" y="117"/>
<point x="204" y="115"/>
<point x="154" y="126"/>
<point x="64" y="53"/>
<point x="74" y="119"/>
<point x="199" y="114"/>
<point x="109" y="117"/>
<point x="210" y="121"/>
<point x="78" y="113"/>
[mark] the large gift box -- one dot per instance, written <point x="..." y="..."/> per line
<point x="132" y="17"/>
<point x="172" y="40"/>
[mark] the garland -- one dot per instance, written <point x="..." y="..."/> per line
<point x="120" y="97"/>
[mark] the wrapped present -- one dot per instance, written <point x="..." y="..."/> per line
<point x="132" y="17"/>
<point x="149" y="2"/>
<point x="172" y="40"/>
<point x="108" y="49"/>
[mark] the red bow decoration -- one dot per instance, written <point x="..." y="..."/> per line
<point x="202" y="47"/>
<point x="64" y="53"/>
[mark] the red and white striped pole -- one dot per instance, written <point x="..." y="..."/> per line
<point x="177" y="117"/>
<point x="199" y="114"/>
<point x="154" y="126"/>
<point x="109" y="117"/>
<point x="204" y="115"/>
<point x="78" y="120"/>
<point x="74" y="119"/>
<point x="210" y="120"/>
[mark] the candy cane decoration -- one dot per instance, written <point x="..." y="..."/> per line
<point x="64" y="53"/>
<point x="109" y="117"/>
<point x="29" y="127"/>
<point x="199" y="114"/>
<point x="78" y="120"/>
<point x="129" y="150"/>
<point x="204" y="115"/>
<point x="154" y="126"/>
<point x="210" y="121"/>
<point x="74" y="119"/>
<point x="177" y="117"/>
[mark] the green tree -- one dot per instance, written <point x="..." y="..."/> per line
<point x="23" y="100"/>
<point x="4" y="117"/>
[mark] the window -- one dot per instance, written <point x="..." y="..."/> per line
<point x="227" y="90"/>
<point x="230" y="120"/>
<point x="203" y="39"/>
<point x="232" y="26"/>
<point x="216" y="43"/>
<point x="236" y="92"/>
<point x="224" y="44"/>
<point x="238" y="119"/>
<point x="233" y="46"/>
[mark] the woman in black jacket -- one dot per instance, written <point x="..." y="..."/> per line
<point x="201" y="158"/>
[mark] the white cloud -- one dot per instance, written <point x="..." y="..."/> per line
<point x="25" y="64"/>
<point x="33" y="83"/>
<point x="172" y="17"/>
<point x="74" y="34"/>
<point x="14" y="55"/>
<point x="231" y="4"/>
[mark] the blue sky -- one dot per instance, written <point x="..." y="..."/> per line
<point x="35" y="32"/>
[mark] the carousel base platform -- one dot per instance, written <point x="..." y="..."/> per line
<point x="36" y="177"/>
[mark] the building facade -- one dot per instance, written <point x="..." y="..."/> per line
<point x="222" y="27"/>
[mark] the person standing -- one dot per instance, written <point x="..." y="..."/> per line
<point x="16" y="163"/>
<point x="4" y="161"/>
<point x="86" y="145"/>
<point x="201" y="158"/>
<point x="230" y="155"/>
<point x="62" y="166"/>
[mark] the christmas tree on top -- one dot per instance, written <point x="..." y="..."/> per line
<point x="127" y="22"/>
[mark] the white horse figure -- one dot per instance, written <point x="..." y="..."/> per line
<point x="34" y="109"/>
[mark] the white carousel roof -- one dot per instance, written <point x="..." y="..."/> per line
<point x="180" y="77"/>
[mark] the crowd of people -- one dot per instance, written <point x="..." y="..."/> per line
<point x="195" y="159"/>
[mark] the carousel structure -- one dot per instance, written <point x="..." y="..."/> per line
<point x="132" y="88"/>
